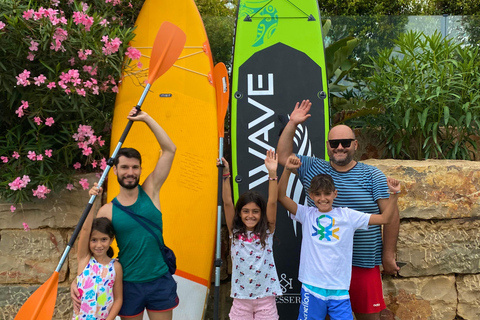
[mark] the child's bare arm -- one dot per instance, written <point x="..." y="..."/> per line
<point x="271" y="163"/>
<point x="292" y="164"/>
<point x="228" y="206"/>
<point x="117" y="291"/>
<point x="83" y="251"/>
<point x="388" y="214"/>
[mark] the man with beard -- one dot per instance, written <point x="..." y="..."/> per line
<point x="147" y="283"/>
<point x="360" y="187"/>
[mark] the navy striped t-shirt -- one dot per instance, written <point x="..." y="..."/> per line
<point x="358" y="189"/>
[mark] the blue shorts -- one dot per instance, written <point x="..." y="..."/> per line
<point x="316" y="307"/>
<point x="157" y="295"/>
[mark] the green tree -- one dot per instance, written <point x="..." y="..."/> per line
<point x="430" y="92"/>
<point x="219" y="20"/>
<point x="375" y="23"/>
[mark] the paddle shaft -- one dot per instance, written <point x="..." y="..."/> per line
<point x="100" y="183"/>
<point x="218" y="260"/>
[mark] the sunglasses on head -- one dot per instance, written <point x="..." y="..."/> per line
<point x="346" y="143"/>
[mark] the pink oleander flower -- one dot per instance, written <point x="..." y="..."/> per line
<point x="37" y="120"/>
<point x="15" y="155"/>
<point x="101" y="142"/>
<point x="103" y="163"/>
<point x="22" y="78"/>
<point x="39" y="80"/>
<point x="26" y="227"/>
<point x="48" y="153"/>
<point x="12" y="209"/>
<point x="49" y="121"/>
<point x="81" y="92"/>
<point x="31" y="155"/>
<point x="28" y="14"/>
<point x="72" y="61"/>
<point x="87" y="151"/>
<point x="77" y="165"/>
<point x="84" y="183"/>
<point x="139" y="65"/>
<point x="33" y="46"/>
<point x="24" y="104"/>
<point x="19" y="112"/>
<point x="133" y="53"/>
<point x="110" y="47"/>
<point x="130" y="5"/>
<point x="51" y="85"/>
<point x="115" y="89"/>
<point x="39" y="157"/>
<point x="41" y="192"/>
<point x="94" y="163"/>
<point x="104" y="22"/>
<point x="5" y="159"/>
<point x="30" y="56"/>
<point x="69" y="187"/>
<point x="2" y="25"/>
<point x="18" y="183"/>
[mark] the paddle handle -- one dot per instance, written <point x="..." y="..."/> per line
<point x="100" y="182"/>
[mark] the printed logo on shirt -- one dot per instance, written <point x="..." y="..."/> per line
<point x="325" y="223"/>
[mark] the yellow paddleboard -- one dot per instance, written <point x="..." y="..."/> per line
<point x="183" y="103"/>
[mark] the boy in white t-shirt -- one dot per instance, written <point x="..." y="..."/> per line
<point x="327" y="244"/>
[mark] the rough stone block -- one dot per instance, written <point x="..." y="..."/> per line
<point x="13" y="297"/>
<point x="442" y="247"/>
<point x="435" y="189"/>
<point x="30" y="256"/>
<point x="468" y="287"/>
<point x="428" y="298"/>
<point x="59" y="210"/>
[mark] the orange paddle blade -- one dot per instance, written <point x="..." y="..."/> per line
<point x="166" y="49"/>
<point x="222" y="88"/>
<point x="41" y="304"/>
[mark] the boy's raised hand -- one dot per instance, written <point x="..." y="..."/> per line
<point x="271" y="161"/>
<point x="393" y="185"/>
<point x="293" y="163"/>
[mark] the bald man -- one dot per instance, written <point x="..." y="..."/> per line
<point x="360" y="187"/>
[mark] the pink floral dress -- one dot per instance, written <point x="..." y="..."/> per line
<point x="95" y="285"/>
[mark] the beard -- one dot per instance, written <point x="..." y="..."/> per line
<point x="128" y="185"/>
<point x="342" y="162"/>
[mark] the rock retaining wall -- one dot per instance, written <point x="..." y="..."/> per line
<point x="439" y="240"/>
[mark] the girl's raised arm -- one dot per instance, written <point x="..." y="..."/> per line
<point x="271" y="163"/>
<point x="83" y="251"/>
<point x="228" y="206"/>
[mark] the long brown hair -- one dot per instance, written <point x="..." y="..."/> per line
<point x="239" y="228"/>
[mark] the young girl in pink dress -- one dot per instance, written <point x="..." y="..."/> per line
<point x="99" y="277"/>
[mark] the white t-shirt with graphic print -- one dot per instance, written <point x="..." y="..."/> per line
<point x="327" y="244"/>
<point x="254" y="274"/>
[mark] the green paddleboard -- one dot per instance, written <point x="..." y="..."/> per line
<point x="278" y="60"/>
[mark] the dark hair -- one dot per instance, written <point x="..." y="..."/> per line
<point x="104" y="225"/>
<point x="262" y="226"/>
<point x="322" y="182"/>
<point x="129" y="153"/>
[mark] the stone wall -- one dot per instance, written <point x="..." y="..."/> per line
<point x="439" y="240"/>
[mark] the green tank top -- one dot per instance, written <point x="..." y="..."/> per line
<point x="139" y="254"/>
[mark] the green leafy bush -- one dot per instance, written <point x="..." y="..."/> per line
<point x="430" y="91"/>
<point x="60" y="66"/>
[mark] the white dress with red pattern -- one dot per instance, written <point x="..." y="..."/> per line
<point x="254" y="274"/>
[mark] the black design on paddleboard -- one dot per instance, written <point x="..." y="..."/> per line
<point x="270" y="89"/>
